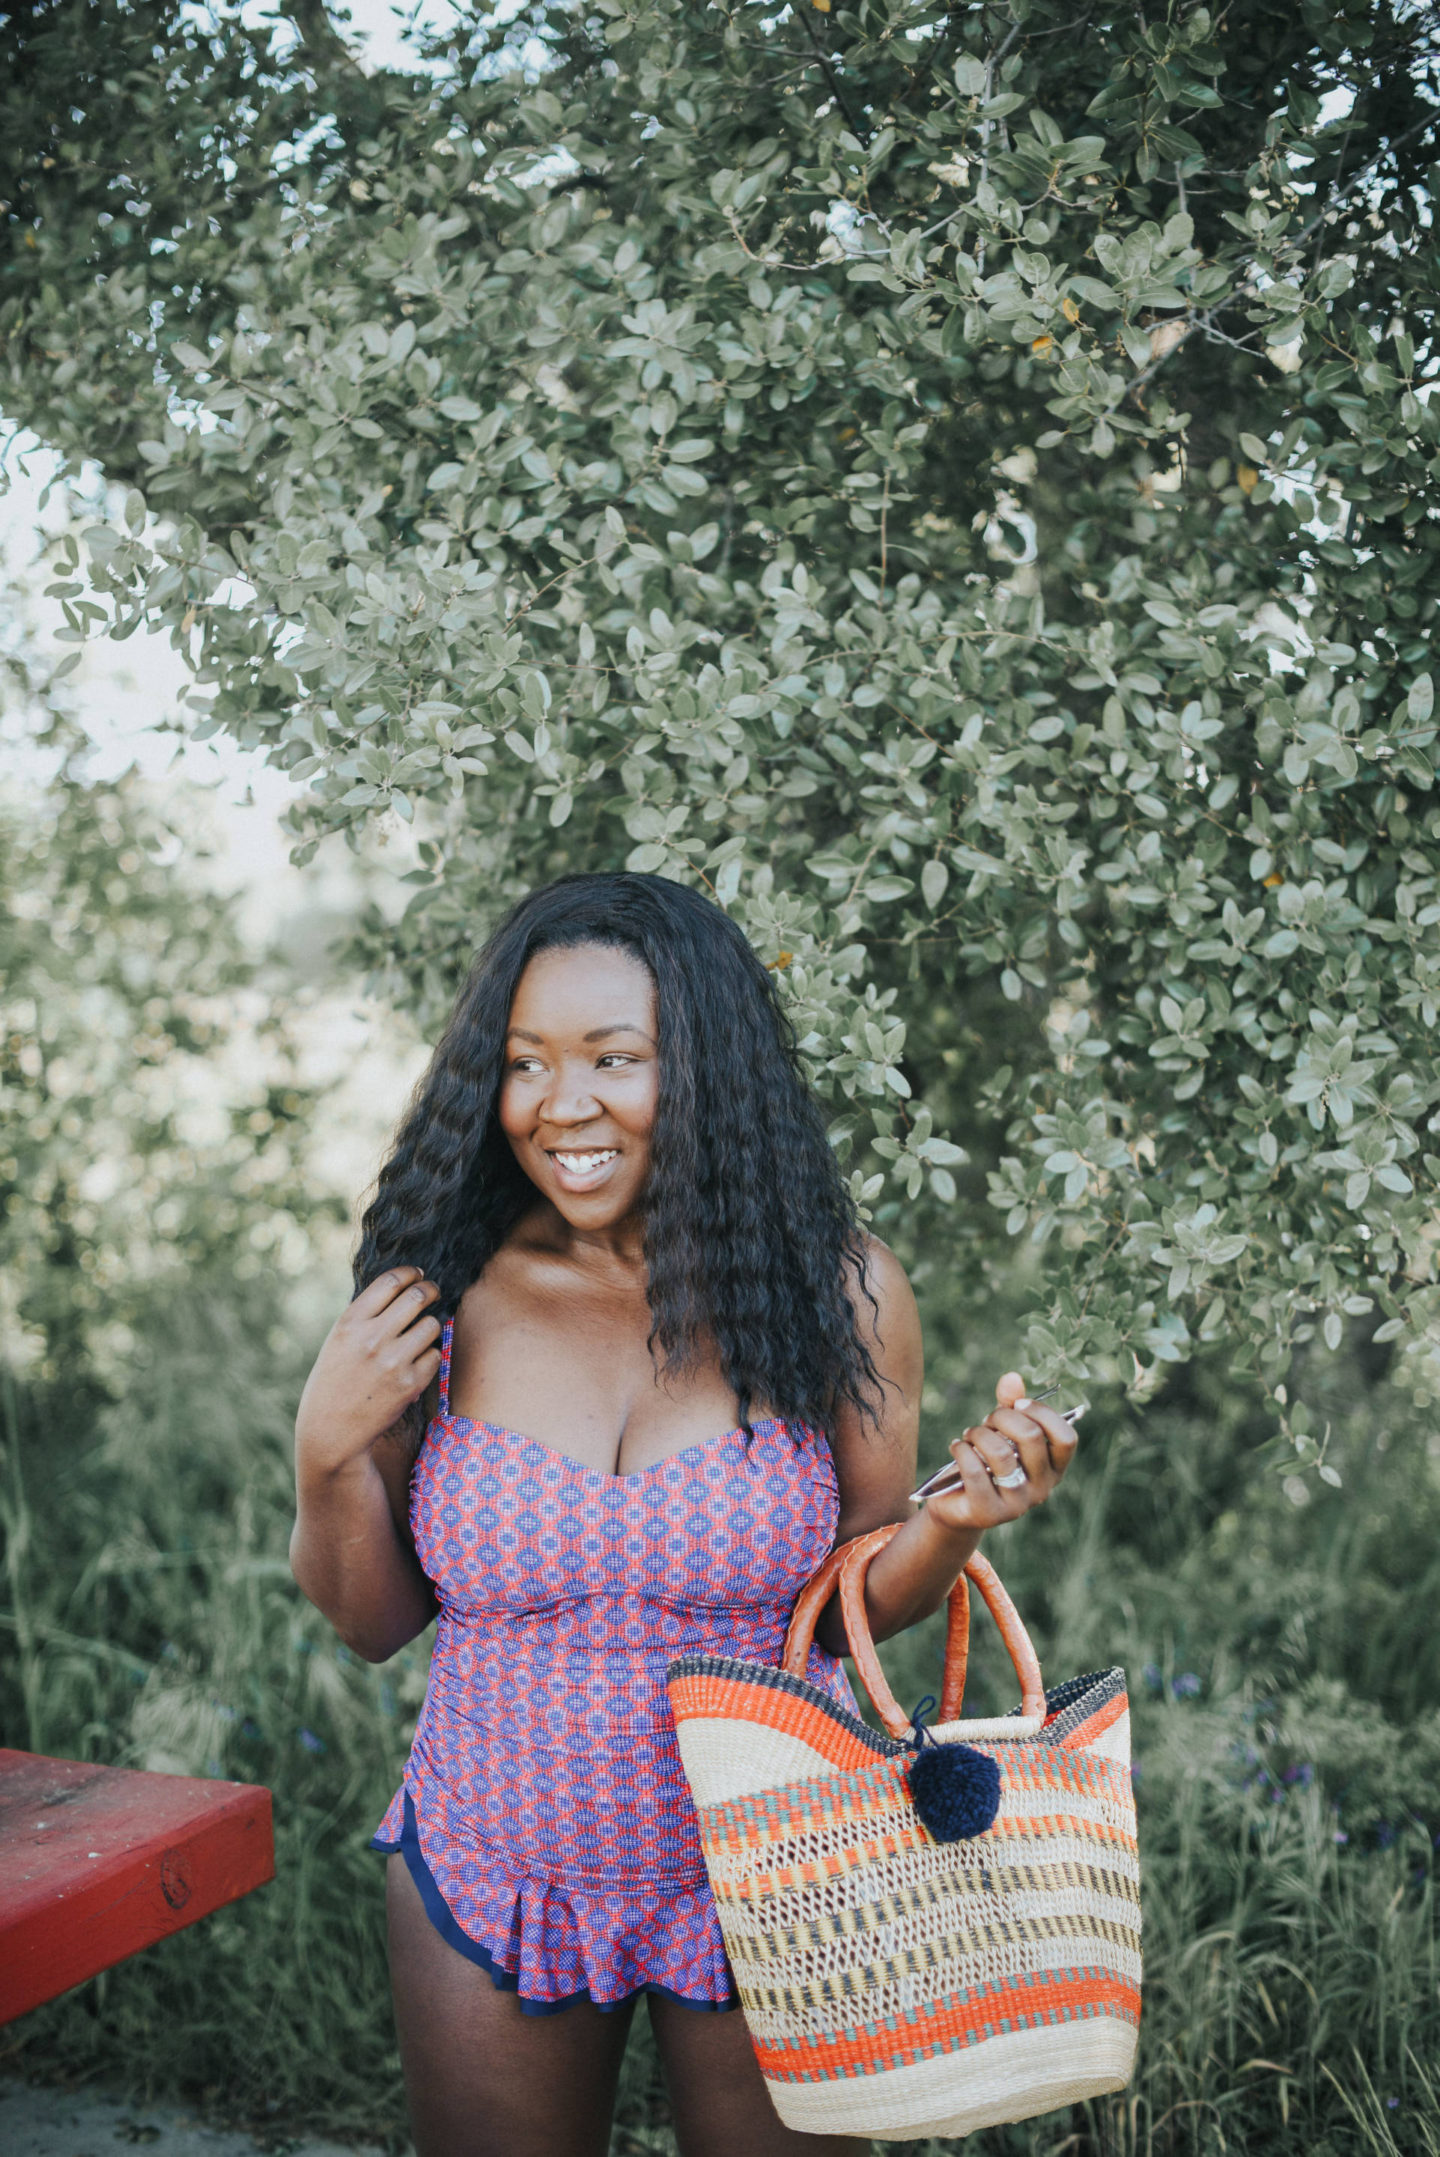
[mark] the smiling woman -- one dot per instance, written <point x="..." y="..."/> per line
<point x="664" y="1371"/>
<point x="748" y="1236"/>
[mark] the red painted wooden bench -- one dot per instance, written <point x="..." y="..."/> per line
<point x="96" y="1863"/>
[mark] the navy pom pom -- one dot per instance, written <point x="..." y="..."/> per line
<point x="956" y="1790"/>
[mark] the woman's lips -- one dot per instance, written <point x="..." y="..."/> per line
<point x="582" y="1168"/>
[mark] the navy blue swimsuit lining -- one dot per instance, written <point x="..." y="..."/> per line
<point x="443" y="1918"/>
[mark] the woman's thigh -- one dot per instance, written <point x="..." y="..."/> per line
<point x="718" y="2096"/>
<point x="483" y="2079"/>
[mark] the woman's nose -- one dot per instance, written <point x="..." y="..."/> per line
<point x="571" y="1099"/>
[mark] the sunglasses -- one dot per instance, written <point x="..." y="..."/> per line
<point x="950" y="1477"/>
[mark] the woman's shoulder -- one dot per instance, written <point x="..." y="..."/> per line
<point x="885" y="1283"/>
<point x="873" y="1476"/>
<point x="887" y="1319"/>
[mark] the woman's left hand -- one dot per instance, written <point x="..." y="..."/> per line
<point x="1010" y="1462"/>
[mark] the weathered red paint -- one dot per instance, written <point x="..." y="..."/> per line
<point x="96" y="1863"/>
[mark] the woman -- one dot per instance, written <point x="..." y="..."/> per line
<point x="665" y="1372"/>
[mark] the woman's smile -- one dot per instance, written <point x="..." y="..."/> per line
<point x="582" y="1171"/>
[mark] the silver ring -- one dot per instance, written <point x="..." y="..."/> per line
<point x="1012" y="1481"/>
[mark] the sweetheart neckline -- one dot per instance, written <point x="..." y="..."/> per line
<point x="601" y="1475"/>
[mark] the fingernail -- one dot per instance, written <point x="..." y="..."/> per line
<point x="1024" y="1401"/>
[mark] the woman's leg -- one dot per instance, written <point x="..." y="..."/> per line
<point x="483" y="2079"/>
<point x="717" y="2094"/>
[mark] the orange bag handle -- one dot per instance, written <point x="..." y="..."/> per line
<point x="846" y="1569"/>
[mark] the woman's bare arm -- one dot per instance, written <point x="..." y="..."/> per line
<point x="350" y="1548"/>
<point x="876" y="1466"/>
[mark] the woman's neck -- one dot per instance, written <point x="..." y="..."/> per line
<point x="618" y="1246"/>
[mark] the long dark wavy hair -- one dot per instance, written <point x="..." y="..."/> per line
<point x="751" y="1239"/>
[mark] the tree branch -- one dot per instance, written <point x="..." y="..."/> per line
<point x="311" y="22"/>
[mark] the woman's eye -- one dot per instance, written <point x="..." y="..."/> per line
<point x="614" y="1061"/>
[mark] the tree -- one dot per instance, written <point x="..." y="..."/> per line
<point x="961" y="486"/>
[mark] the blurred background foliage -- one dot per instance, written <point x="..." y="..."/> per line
<point x="123" y="1161"/>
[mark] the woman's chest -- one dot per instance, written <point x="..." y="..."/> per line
<point x="570" y="1363"/>
<point x="504" y="1525"/>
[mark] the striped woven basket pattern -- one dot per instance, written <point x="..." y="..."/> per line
<point x="899" y="1986"/>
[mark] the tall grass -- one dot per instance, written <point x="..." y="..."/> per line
<point x="1284" y="1660"/>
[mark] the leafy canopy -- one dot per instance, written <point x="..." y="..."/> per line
<point x="960" y="485"/>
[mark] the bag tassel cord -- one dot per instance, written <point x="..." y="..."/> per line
<point x="955" y="1788"/>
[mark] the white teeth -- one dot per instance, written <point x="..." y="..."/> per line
<point x="581" y="1164"/>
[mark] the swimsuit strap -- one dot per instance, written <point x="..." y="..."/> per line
<point x="447" y="1336"/>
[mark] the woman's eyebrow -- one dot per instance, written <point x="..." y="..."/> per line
<point x="597" y="1033"/>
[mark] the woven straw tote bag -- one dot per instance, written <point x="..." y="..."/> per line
<point x="901" y="1982"/>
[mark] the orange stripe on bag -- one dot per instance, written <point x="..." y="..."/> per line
<point x="925" y="2032"/>
<point x="693" y="1696"/>
<point x="1100" y="1721"/>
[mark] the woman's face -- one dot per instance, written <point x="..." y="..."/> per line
<point x="577" y="1100"/>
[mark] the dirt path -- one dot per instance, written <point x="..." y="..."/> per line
<point x="91" y="2123"/>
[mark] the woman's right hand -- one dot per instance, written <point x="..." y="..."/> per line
<point x="378" y="1358"/>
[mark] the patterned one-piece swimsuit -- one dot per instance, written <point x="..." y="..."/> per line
<point x="544" y="1815"/>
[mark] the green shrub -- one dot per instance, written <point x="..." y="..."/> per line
<point x="960" y="485"/>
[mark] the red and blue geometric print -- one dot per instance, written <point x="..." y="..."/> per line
<point x="544" y="1813"/>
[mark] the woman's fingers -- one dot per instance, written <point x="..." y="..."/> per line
<point x="390" y="1303"/>
<point x="1009" y="1389"/>
<point x="410" y="1302"/>
<point x="376" y="1295"/>
<point x="1005" y="1436"/>
<point x="1036" y="1445"/>
<point x="422" y="1371"/>
<point x="1060" y="1434"/>
<point x="977" y="1502"/>
<point x="382" y="1353"/>
<point x="1004" y="1454"/>
<point x="1034" y="1425"/>
<point x="404" y="1305"/>
<point x="404" y="1351"/>
<point x="1030" y="1439"/>
<point x="1008" y="1463"/>
<point x="1016" y="1425"/>
<point x="1015" y="1480"/>
<point x="400" y="1352"/>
